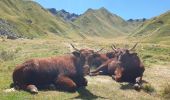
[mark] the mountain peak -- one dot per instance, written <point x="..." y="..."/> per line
<point x="89" y="10"/>
<point x="64" y="14"/>
<point x="103" y="8"/>
<point x="53" y="10"/>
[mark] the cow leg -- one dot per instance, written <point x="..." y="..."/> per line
<point x="65" y="83"/>
<point x="137" y="84"/>
<point x="32" y="89"/>
<point x="98" y="71"/>
<point x="81" y="81"/>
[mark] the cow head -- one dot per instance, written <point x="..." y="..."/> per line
<point x="127" y="64"/>
<point x="84" y="56"/>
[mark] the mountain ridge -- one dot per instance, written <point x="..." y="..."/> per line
<point x="28" y="19"/>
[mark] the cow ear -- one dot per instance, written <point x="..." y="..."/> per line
<point x="110" y="55"/>
<point x="76" y="53"/>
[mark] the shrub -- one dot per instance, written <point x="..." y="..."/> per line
<point x="148" y="88"/>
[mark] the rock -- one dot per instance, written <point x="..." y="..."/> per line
<point x="6" y="29"/>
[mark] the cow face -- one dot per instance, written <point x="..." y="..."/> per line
<point x="127" y="65"/>
<point x="84" y="55"/>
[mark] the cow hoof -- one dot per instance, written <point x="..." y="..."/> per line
<point x="91" y="74"/>
<point x="113" y="77"/>
<point x="137" y="86"/>
<point x="34" y="91"/>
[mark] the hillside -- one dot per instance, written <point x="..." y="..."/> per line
<point x="156" y="29"/>
<point x="101" y="22"/>
<point x="27" y="19"/>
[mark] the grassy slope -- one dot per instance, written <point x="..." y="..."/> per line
<point x="100" y="87"/>
<point x="156" y="29"/>
<point x="102" y="23"/>
<point x="19" y="12"/>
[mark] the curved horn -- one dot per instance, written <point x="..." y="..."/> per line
<point x="74" y="47"/>
<point x="100" y="50"/>
<point x="134" y="46"/>
<point x="113" y="47"/>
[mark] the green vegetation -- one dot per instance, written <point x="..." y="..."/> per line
<point x="155" y="30"/>
<point x="148" y="88"/>
<point x="99" y="87"/>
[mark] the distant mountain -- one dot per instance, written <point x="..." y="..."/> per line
<point x="155" y="29"/>
<point x="101" y="22"/>
<point x="64" y="14"/>
<point x="28" y="19"/>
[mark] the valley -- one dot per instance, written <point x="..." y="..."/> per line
<point x="28" y="30"/>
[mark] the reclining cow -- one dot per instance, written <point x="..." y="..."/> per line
<point x="98" y="59"/>
<point x="124" y="67"/>
<point x="65" y="72"/>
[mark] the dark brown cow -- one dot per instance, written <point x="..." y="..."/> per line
<point x="65" y="72"/>
<point x="124" y="67"/>
<point x="98" y="59"/>
<point x="101" y="61"/>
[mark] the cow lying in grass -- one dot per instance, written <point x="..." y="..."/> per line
<point x="123" y="67"/>
<point x="65" y="72"/>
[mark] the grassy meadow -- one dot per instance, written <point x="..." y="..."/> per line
<point x="156" y="58"/>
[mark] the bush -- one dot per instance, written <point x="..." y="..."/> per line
<point x="148" y="88"/>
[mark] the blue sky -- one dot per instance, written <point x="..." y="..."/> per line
<point x="125" y="8"/>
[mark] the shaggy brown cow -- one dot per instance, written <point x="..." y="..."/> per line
<point x="124" y="67"/>
<point x="65" y="72"/>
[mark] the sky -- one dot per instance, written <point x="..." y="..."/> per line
<point x="126" y="9"/>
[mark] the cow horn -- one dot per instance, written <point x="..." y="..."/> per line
<point x="134" y="46"/>
<point x="113" y="47"/>
<point x="100" y="50"/>
<point x="74" y="47"/>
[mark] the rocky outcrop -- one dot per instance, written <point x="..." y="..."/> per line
<point x="64" y="14"/>
<point x="6" y="29"/>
